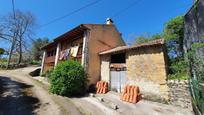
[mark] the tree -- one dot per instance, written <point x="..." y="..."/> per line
<point x="36" y="48"/>
<point x="1" y="52"/>
<point x="157" y="36"/>
<point x="174" y="35"/>
<point x="143" y="39"/>
<point x="17" y="28"/>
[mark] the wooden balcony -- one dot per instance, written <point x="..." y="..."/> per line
<point x="50" y="59"/>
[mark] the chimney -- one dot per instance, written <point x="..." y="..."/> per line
<point x="109" y="21"/>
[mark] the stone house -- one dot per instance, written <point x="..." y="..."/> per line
<point x="144" y="65"/>
<point x="83" y="43"/>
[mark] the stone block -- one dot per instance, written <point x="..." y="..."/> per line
<point x="113" y="106"/>
<point x="100" y="99"/>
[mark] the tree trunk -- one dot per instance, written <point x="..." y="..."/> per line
<point x="11" y="50"/>
<point x="20" y="51"/>
<point x="10" y="53"/>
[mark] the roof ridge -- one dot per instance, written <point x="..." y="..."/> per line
<point x="122" y="48"/>
<point x="155" y="41"/>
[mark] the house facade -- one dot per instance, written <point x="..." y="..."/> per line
<point x="83" y="43"/>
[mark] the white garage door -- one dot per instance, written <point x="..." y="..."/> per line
<point x="118" y="80"/>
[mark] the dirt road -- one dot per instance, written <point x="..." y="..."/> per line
<point x="16" y="98"/>
<point x="21" y="95"/>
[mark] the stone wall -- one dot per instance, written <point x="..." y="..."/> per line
<point x="146" y="68"/>
<point x="194" y="28"/>
<point x="194" y="33"/>
<point x="179" y="94"/>
<point x="151" y="90"/>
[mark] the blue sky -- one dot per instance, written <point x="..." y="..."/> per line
<point x="147" y="17"/>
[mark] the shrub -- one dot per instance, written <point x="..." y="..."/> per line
<point x="34" y="62"/>
<point x="68" y="79"/>
<point x="179" y="70"/>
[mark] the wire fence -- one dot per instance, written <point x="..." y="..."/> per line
<point x="197" y="81"/>
<point x="197" y="96"/>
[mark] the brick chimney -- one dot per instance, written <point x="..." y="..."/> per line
<point x="109" y="21"/>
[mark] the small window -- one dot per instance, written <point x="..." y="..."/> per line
<point x="118" y="58"/>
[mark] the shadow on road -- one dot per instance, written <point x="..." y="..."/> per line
<point x="16" y="98"/>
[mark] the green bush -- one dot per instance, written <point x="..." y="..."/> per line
<point x="35" y="62"/>
<point x="179" y="70"/>
<point x="68" y="79"/>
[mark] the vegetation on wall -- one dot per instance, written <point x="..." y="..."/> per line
<point x="196" y="64"/>
<point x="195" y="6"/>
<point x="197" y="75"/>
<point x="68" y="79"/>
<point x="195" y="59"/>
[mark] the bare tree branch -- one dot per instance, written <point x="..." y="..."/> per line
<point x="17" y="30"/>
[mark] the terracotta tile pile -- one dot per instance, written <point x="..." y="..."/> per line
<point x="131" y="94"/>
<point x="101" y="87"/>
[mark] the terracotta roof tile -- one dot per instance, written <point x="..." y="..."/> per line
<point x="123" y="48"/>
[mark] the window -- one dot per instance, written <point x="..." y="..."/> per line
<point x="118" y="58"/>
